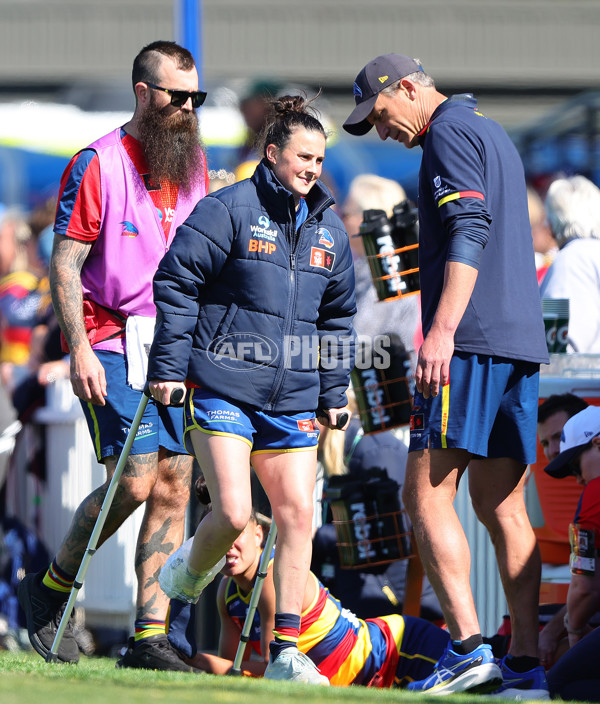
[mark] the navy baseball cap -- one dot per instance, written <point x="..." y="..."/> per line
<point x="375" y="76"/>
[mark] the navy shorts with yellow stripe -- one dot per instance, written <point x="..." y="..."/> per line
<point x="488" y="407"/>
<point x="263" y="432"/>
<point x="161" y="426"/>
<point x="420" y="645"/>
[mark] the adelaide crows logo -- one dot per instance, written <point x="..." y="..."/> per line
<point x="129" y="229"/>
<point x="325" y="237"/>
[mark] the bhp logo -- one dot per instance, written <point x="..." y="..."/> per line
<point x="261" y="246"/>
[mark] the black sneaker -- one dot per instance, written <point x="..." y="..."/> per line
<point x="153" y="653"/>
<point x="43" y="616"/>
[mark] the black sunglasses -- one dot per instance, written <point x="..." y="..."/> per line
<point x="180" y="97"/>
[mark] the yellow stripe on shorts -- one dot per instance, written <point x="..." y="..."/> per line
<point x="445" y="413"/>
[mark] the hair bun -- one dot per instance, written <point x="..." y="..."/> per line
<point x="289" y="103"/>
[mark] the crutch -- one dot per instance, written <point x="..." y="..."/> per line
<point x="260" y="576"/>
<point x="175" y="400"/>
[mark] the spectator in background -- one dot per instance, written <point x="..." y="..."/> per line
<point x="219" y="179"/>
<point x="544" y="244"/>
<point x="375" y="317"/>
<point x="245" y="169"/>
<point x="573" y="212"/>
<point x="576" y="676"/>
<point x="25" y="305"/>
<point x="255" y="108"/>
<point x="553" y="413"/>
<point x="580" y="456"/>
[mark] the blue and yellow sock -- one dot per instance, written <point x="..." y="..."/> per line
<point x="286" y="632"/>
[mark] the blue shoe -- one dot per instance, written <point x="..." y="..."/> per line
<point x="523" y="685"/>
<point x="475" y="672"/>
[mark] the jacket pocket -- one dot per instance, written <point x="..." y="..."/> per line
<point x="225" y="324"/>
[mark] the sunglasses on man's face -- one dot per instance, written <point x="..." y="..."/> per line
<point x="180" y="97"/>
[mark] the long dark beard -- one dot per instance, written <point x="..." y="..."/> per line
<point x="172" y="146"/>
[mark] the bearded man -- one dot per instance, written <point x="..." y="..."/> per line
<point x="120" y="202"/>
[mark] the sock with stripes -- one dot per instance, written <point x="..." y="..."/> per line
<point x="286" y="632"/>
<point x="57" y="582"/>
<point x="146" y="628"/>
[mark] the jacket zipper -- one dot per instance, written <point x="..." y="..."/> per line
<point x="289" y="321"/>
<point x="294" y="239"/>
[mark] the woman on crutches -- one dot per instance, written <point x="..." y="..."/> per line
<point x="255" y="302"/>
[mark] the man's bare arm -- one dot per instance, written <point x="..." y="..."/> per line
<point x="87" y="374"/>
<point x="68" y="257"/>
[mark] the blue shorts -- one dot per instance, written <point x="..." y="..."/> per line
<point x="489" y="407"/>
<point x="421" y="647"/>
<point x="161" y="426"/>
<point x="264" y="432"/>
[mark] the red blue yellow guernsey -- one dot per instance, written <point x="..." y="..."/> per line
<point x="237" y="608"/>
<point x="379" y="652"/>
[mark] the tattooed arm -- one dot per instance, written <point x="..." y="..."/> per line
<point x="87" y="374"/>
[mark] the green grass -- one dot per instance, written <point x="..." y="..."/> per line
<point x="27" y="679"/>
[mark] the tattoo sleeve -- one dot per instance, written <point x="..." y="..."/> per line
<point x="68" y="256"/>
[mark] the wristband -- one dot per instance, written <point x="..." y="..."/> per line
<point x="572" y="631"/>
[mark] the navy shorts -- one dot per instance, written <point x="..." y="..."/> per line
<point x="161" y="426"/>
<point x="489" y="407"/>
<point x="263" y="432"/>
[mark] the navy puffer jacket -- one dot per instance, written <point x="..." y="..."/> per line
<point x="251" y="308"/>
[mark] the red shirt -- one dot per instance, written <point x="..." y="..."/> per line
<point x="588" y="511"/>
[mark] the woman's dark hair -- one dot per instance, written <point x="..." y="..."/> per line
<point x="286" y="114"/>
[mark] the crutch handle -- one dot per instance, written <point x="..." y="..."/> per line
<point x="177" y="395"/>
<point x="341" y="421"/>
<point x="176" y="398"/>
<point x="324" y="418"/>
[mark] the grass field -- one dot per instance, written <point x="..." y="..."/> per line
<point x="26" y="679"/>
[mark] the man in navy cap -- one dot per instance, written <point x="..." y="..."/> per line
<point x="477" y="370"/>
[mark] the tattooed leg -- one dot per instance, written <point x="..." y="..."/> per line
<point x="161" y="532"/>
<point x="137" y="481"/>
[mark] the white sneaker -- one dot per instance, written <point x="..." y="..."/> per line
<point x="178" y="582"/>
<point x="294" y="666"/>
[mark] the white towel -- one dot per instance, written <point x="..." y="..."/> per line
<point x="139" y="333"/>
